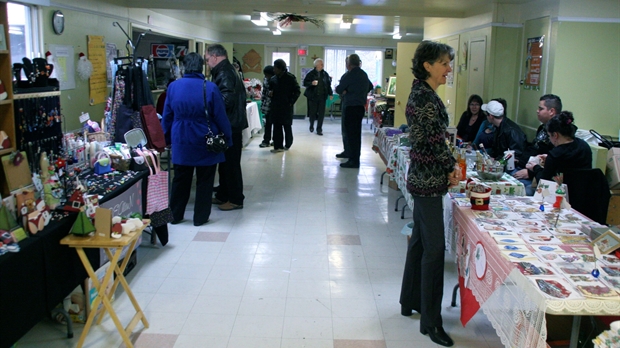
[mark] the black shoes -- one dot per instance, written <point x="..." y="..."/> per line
<point x="263" y="144"/>
<point x="406" y="312"/>
<point x="311" y="129"/>
<point x="437" y="335"/>
<point x="176" y="222"/>
<point x="200" y="223"/>
<point x="319" y="132"/>
<point x="349" y="164"/>
<point x="342" y="155"/>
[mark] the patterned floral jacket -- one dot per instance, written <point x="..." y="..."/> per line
<point x="431" y="159"/>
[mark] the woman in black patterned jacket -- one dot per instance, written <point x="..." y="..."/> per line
<point x="431" y="172"/>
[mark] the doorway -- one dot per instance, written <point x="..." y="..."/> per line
<point x="288" y="55"/>
<point x="477" y="61"/>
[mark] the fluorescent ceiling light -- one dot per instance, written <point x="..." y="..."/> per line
<point x="396" y="36"/>
<point x="344" y="25"/>
<point x="277" y="32"/>
<point x="257" y="19"/>
<point x="346" y="22"/>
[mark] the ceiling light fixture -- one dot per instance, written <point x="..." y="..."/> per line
<point x="257" y="19"/>
<point x="277" y="32"/>
<point x="346" y="22"/>
<point x="396" y="36"/>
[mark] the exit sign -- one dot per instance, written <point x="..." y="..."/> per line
<point x="302" y="51"/>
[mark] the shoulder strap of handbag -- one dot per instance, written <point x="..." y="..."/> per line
<point x="204" y="96"/>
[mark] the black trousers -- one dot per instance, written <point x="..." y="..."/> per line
<point x="182" y="186"/>
<point x="422" y="288"/>
<point x="268" y="127"/>
<point x="231" y="178"/>
<point x="345" y="136"/>
<point x="282" y="135"/>
<point x="353" y="124"/>
<point x="316" y="112"/>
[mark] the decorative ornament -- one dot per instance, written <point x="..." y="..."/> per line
<point x="286" y="19"/>
<point x="84" y="67"/>
<point x="16" y="158"/>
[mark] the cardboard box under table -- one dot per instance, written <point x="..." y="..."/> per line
<point x="113" y="249"/>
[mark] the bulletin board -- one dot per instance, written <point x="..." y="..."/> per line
<point x="99" y="78"/>
<point x="533" y="63"/>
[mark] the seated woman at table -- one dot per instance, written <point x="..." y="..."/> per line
<point x="568" y="152"/>
<point x="471" y="119"/>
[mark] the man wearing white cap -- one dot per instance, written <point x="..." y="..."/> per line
<point x="508" y="135"/>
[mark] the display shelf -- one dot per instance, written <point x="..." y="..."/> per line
<point x="5" y="51"/>
<point x="36" y="95"/>
<point x="6" y="101"/>
<point x="5" y="151"/>
<point x="7" y="116"/>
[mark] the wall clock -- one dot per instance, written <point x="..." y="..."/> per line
<point x="58" y="22"/>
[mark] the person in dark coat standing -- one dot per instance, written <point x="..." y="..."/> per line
<point x="185" y="125"/>
<point x="354" y="87"/>
<point x="265" y="106"/>
<point x="230" y="194"/>
<point x="284" y="93"/>
<point x="318" y="88"/>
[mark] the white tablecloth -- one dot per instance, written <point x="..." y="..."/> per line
<point x="254" y="124"/>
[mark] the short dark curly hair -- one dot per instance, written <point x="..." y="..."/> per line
<point x="429" y="51"/>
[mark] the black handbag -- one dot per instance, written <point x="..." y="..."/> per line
<point x="215" y="143"/>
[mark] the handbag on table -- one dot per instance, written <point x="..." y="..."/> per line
<point x="215" y="143"/>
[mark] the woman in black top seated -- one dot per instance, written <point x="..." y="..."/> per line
<point x="470" y="121"/>
<point x="568" y="152"/>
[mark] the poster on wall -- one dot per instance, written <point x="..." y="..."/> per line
<point x="304" y="72"/>
<point x="64" y="65"/>
<point x="99" y="79"/>
<point x="533" y="62"/>
<point x="110" y="54"/>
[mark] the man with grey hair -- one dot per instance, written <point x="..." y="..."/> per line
<point x="318" y="88"/>
<point x="230" y="194"/>
<point x="354" y="87"/>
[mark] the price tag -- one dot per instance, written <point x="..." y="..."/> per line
<point x="84" y="117"/>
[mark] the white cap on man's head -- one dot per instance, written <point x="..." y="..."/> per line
<point x="494" y="108"/>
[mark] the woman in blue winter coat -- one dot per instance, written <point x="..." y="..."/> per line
<point x="185" y="125"/>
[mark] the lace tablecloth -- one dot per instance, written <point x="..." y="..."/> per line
<point x="513" y="303"/>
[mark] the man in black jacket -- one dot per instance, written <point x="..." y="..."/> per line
<point x="230" y="194"/>
<point x="508" y="135"/>
<point x="318" y="88"/>
<point x="354" y="87"/>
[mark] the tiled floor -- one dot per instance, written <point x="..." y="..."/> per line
<point x="314" y="259"/>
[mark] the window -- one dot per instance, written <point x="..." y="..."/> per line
<point x="285" y="56"/>
<point x="23" y="31"/>
<point x="372" y="63"/>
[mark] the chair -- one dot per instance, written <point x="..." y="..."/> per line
<point x="588" y="192"/>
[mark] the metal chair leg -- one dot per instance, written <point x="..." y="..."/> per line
<point x="402" y="214"/>
<point x="382" y="174"/>
<point x="454" y="292"/>
<point x="64" y="313"/>
<point x="396" y="205"/>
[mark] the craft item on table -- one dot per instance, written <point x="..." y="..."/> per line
<point x="481" y="222"/>
<point x="25" y="201"/>
<point x="582" y="249"/>
<point x="91" y="203"/>
<point x="612" y="282"/>
<point x="75" y="202"/>
<point x="519" y="255"/>
<point x="591" y="287"/>
<point x="5" y="141"/>
<point x="534" y="238"/>
<point x="479" y="193"/>
<point x="512" y="247"/>
<point x="16" y="170"/>
<point x="506" y="215"/>
<point x="103" y="222"/>
<point x="611" y="271"/>
<point x="573" y="239"/>
<point x="82" y="225"/>
<point x="494" y="228"/>
<point x="509" y="241"/>
<point x="117" y="229"/>
<point x="556" y="288"/>
<point x="551" y="256"/>
<point x="611" y="260"/>
<point x="36" y="222"/>
<point x="530" y="230"/>
<point x="502" y="234"/>
<point x="102" y="163"/>
<point x="547" y="248"/>
<point x="608" y="241"/>
<point x="53" y="192"/>
<point x="566" y="231"/>
<point x="534" y="268"/>
<point x="573" y="268"/>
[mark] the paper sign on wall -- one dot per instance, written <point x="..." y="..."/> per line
<point x="99" y="79"/>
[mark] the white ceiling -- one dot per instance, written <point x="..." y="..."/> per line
<point x="371" y="18"/>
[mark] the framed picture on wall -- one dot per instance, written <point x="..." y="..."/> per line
<point x="389" y="53"/>
<point x="391" y="88"/>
